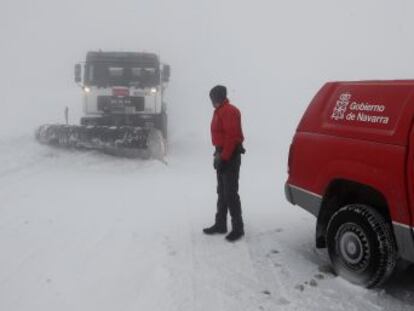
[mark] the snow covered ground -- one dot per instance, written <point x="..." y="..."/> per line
<point x="86" y="231"/>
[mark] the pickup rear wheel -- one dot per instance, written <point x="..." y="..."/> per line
<point x="361" y="245"/>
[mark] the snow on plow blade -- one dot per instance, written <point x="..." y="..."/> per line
<point x="125" y="141"/>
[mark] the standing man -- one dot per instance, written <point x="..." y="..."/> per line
<point x="227" y="138"/>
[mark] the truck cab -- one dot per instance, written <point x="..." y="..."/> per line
<point x="123" y="88"/>
<point x="351" y="165"/>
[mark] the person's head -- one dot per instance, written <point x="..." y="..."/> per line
<point x="218" y="95"/>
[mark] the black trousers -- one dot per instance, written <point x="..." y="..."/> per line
<point x="228" y="195"/>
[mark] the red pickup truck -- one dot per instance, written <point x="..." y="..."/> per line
<point x="351" y="164"/>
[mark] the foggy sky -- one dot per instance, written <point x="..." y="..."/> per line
<point x="272" y="55"/>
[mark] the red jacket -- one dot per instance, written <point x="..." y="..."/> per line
<point x="226" y="130"/>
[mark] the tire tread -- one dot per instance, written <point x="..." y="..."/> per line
<point x="383" y="231"/>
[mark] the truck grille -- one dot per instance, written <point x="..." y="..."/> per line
<point x="112" y="104"/>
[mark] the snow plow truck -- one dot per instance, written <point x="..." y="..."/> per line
<point x="123" y="105"/>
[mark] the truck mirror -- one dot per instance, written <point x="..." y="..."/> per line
<point x="78" y="73"/>
<point x="166" y="73"/>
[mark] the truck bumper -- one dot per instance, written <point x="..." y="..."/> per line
<point x="309" y="201"/>
<point x="288" y="194"/>
<point x="404" y="236"/>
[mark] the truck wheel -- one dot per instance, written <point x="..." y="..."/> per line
<point x="361" y="245"/>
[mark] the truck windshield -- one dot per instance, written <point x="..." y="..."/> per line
<point x="115" y="74"/>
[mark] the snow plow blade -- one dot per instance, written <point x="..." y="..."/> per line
<point x="124" y="141"/>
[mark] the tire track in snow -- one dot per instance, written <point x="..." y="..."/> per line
<point x="229" y="274"/>
<point x="208" y="273"/>
<point x="274" y="293"/>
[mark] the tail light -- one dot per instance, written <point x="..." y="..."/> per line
<point x="290" y="157"/>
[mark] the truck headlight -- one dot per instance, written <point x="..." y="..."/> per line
<point x="86" y="89"/>
<point x="153" y="90"/>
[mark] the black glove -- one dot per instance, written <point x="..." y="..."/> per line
<point x="219" y="164"/>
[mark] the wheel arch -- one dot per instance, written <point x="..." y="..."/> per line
<point x="341" y="192"/>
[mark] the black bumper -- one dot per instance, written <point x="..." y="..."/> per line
<point x="288" y="194"/>
<point x="311" y="202"/>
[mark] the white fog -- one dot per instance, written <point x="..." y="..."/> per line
<point x="82" y="230"/>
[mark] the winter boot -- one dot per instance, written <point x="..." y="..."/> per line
<point x="215" y="229"/>
<point x="237" y="230"/>
<point x="234" y="236"/>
